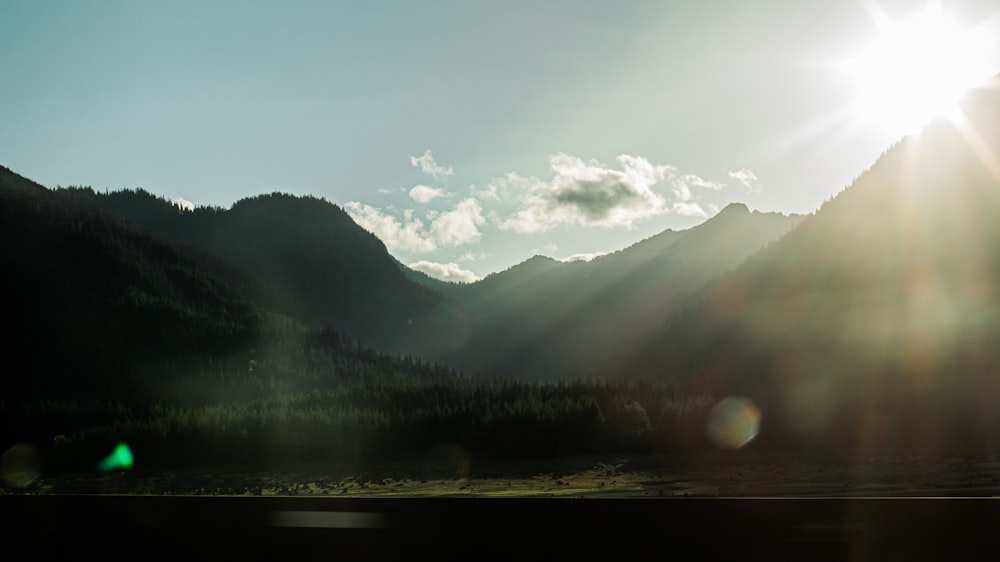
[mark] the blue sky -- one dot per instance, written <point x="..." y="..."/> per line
<point x="468" y="135"/>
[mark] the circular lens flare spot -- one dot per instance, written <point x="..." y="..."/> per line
<point x="19" y="466"/>
<point x="733" y="422"/>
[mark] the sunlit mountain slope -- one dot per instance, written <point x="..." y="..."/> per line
<point x="873" y="324"/>
<point x="547" y="320"/>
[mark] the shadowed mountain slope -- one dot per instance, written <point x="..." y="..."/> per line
<point x="311" y="261"/>
<point x="90" y="298"/>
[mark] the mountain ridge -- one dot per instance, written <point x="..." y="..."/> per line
<point x="878" y="306"/>
<point x="311" y="261"/>
<point x="533" y="319"/>
<point x="96" y="298"/>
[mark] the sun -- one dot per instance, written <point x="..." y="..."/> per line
<point x="917" y="69"/>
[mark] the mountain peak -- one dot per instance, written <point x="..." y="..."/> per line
<point x="739" y="208"/>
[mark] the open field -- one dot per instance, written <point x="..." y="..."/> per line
<point x="455" y="475"/>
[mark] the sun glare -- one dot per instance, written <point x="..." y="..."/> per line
<point x="917" y="69"/>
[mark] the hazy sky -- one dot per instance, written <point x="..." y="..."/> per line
<point x="461" y="132"/>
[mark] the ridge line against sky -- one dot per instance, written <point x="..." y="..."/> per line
<point x="467" y="135"/>
<point x="578" y="193"/>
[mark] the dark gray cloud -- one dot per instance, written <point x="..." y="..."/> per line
<point x="596" y="199"/>
<point x="588" y="193"/>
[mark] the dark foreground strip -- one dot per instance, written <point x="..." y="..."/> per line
<point x="290" y="528"/>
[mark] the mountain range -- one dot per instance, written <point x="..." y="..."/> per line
<point x="304" y="260"/>
<point x="307" y="257"/>
<point x="549" y="320"/>
<point x="879" y="309"/>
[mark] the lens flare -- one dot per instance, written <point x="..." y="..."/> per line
<point x="733" y="422"/>
<point x="918" y="68"/>
<point x="19" y="466"/>
<point x="119" y="459"/>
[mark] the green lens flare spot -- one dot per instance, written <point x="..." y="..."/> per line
<point x="119" y="459"/>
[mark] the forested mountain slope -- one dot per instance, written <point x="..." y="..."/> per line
<point x="310" y="260"/>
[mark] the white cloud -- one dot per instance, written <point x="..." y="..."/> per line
<point x="550" y="248"/>
<point x="682" y="191"/>
<point x="488" y="193"/>
<point x="398" y="235"/>
<point x="472" y="256"/>
<point x="456" y="227"/>
<point x="584" y="257"/>
<point x="445" y="271"/>
<point x="428" y="166"/>
<point x="183" y="203"/>
<point x="460" y="225"/>
<point x="682" y="188"/>
<point x="689" y="209"/>
<point x="698" y="181"/>
<point x="384" y="190"/>
<point x="688" y="181"/>
<point x="747" y="178"/>
<point x="426" y="194"/>
<point x="587" y="193"/>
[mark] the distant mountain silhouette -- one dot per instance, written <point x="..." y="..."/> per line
<point x="549" y="320"/>
<point x="874" y="322"/>
<point x="309" y="258"/>
<point x="91" y="298"/>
